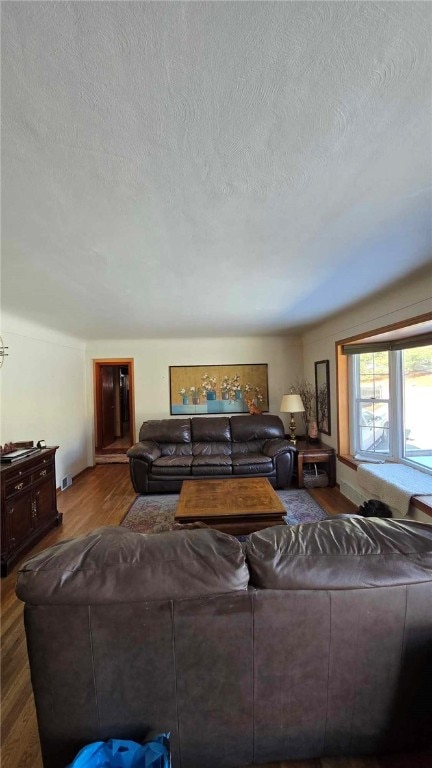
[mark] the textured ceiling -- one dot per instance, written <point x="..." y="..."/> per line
<point x="211" y="168"/>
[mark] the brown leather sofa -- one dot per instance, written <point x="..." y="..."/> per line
<point x="309" y="640"/>
<point x="172" y="450"/>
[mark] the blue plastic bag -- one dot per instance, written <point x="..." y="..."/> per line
<point x="118" y="753"/>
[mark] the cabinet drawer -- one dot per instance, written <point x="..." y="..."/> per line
<point x="13" y="474"/>
<point x="18" y="484"/>
<point x="311" y="458"/>
<point x="42" y="471"/>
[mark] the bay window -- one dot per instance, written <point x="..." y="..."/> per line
<point x="390" y="401"/>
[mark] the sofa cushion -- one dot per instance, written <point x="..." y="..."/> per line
<point x="211" y="449"/>
<point x="217" y="460"/>
<point x="176" y="449"/>
<point x="251" y="458"/>
<point x="212" y="465"/>
<point x="253" y="446"/>
<point x="341" y="553"/>
<point x="252" y="464"/>
<point x="256" y="427"/>
<point x="115" y="565"/>
<point x="215" y="429"/>
<point x="166" y="431"/>
<point x="172" y="465"/>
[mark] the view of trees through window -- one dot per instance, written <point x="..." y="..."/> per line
<point x="393" y="404"/>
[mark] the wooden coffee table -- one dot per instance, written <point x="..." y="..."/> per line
<point x="233" y="505"/>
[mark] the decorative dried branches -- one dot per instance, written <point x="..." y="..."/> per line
<point x="307" y="394"/>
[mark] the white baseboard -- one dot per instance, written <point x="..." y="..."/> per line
<point x="352" y="493"/>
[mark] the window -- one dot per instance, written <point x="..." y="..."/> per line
<point x="390" y="409"/>
<point x="371" y="403"/>
<point x="416" y="366"/>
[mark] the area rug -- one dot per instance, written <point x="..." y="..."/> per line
<point x="155" y="513"/>
<point x="112" y="458"/>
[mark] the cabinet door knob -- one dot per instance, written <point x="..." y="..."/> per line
<point x="43" y="472"/>
<point x="19" y="486"/>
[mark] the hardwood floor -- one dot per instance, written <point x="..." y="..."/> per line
<point x="120" y="444"/>
<point x="101" y="496"/>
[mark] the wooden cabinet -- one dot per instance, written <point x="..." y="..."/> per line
<point x="28" y="504"/>
<point x="315" y="453"/>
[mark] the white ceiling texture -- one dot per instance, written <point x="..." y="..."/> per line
<point x="181" y="169"/>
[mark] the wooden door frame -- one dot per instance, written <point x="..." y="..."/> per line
<point x="124" y="362"/>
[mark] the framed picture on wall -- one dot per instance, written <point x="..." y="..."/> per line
<point x="213" y="389"/>
<point x="322" y="396"/>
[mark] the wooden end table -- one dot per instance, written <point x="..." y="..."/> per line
<point x="315" y="453"/>
<point x="232" y="505"/>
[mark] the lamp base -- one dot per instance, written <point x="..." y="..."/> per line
<point x="292" y="429"/>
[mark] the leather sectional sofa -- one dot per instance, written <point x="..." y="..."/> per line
<point x="307" y="641"/>
<point x="172" y="450"/>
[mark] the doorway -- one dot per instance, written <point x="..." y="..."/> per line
<point x="114" y="405"/>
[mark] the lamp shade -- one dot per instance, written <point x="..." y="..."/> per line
<point x="291" y="404"/>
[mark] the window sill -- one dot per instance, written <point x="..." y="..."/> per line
<point x="423" y="503"/>
<point x="350" y="461"/>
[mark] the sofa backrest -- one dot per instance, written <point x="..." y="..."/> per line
<point x="116" y="565"/>
<point x="258" y="427"/>
<point x="166" y="431"/>
<point x="215" y="429"/>
<point x="341" y="553"/>
<point x="113" y="564"/>
<point x="211" y="436"/>
<point x="219" y="431"/>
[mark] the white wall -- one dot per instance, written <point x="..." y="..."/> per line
<point x="402" y="303"/>
<point x="43" y="392"/>
<point x="152" y="359"/>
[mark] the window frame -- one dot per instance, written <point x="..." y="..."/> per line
<point x="343" y="384"/>
<point x="397" y="447"/>
<point x="355" y="401"/>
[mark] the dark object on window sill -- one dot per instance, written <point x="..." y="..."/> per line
<point x="374" y="508"/>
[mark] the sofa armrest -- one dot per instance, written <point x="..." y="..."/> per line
<point x="146" y="451"/>
<point x="275" y="446"/>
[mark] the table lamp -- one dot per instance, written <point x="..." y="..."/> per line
<point x="292" y="404"/>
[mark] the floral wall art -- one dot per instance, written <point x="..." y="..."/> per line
<point x="214" y="389"/>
